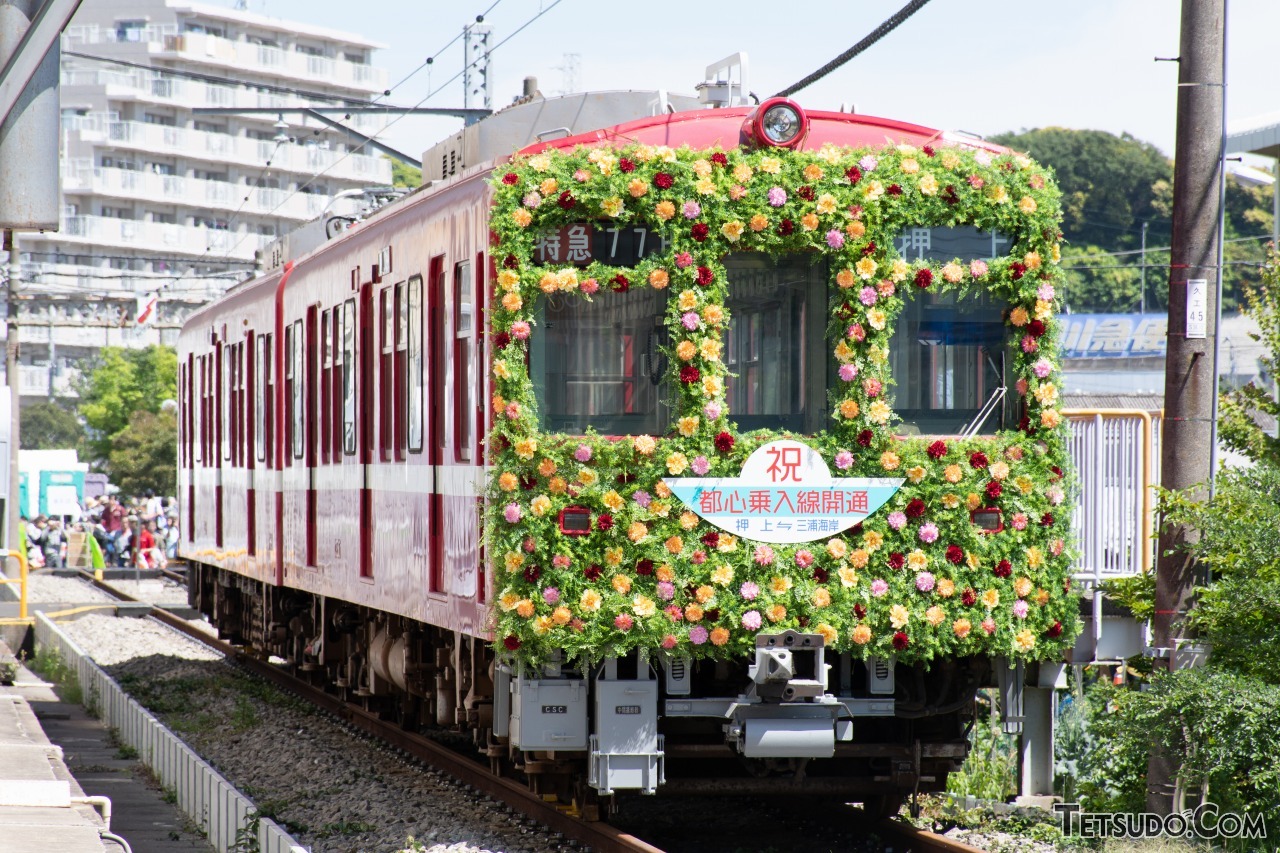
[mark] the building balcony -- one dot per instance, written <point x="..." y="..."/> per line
<point x="184" y="192"/>
<point x="151" y="238"/>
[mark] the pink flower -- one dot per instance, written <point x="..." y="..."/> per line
<point x="669" y="641"/>
<point x="697" y="635"/>
<point x="1029" y="344"/>
<point x="977" y="269"/>
<point x="749" y="590"/>
<point x="868" y="296"/>
<point x="924" y="581"/>
<point x="897" y="520"/>
<point x="764" y="555"/>
<point x="1021" y="387"/>
<point x="983" y="157"/>
<point x="929" y="532"/>
<point x="777" y="196"/>
<point x="666" y="590"/>
<point x="512" y="513"/>
<point x="560" y="561"/>
<point x="868" y="163"/>
<point x="551" y="595"/>
<point x="1042" y="368"/>
<point x="712" y="410"/>
<point x="751" y="620"/>
<point x="589" y="286"/>
<point x="520" y="330"/>
<point x="530" y="545"/>
<point x="700" y="465"/>
<point x="1045" y="292"/>
<point x="531" y="200"/>
<point x="683" y="259"/>
<point x="623" y="622"/>
<point x="879" y="587"/>
<point x="844" y="460"/>
<point x="582" y="453"/>
<point x="857" y="333"/>
<point x="835" y="238"/>
<point x="692" y="210"/>
<point x="804" y="558"/>
<point x="1019" y="521"/>
<point x="1020" y="609"/>
<point x="886" y="288"/>
<point x="674" y="611"/>
<point x="642" y="498"/>
<point x="692" y="321"/>
<point x="1055" y="495"/>
<point x="989" y="625"/>
<point x="848" y="372"/>
<point x="699" y="557"/>
<point x="513" y="410"/>
<point x="872" y="387"/>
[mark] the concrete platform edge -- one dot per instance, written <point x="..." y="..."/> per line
<point x="208" y="799"/>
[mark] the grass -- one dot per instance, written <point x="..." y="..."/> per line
<point x="49" y="664"/>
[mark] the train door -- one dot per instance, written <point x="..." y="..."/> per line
<point x="366" y="429"/>
<point x="219" y="440"/>
<point x="438" y="373"/>
<point x="309" y="397"/>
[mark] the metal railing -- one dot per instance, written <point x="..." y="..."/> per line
<point x="21" y="580"/>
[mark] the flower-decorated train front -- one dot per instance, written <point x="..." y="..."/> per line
<point x="778" y="449"/>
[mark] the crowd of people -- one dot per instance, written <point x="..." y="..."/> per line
<point x="135" y="533"/>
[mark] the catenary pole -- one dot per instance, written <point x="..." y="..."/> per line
<point x="1190" y="382"/>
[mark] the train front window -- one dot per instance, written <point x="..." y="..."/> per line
<point x="599" y="364"/>
<point x="774" y="346"/>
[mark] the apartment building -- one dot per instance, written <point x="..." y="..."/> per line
<point x="162" y="197"/>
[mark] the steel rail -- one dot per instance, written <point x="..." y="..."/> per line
<point x="599" y="836"/>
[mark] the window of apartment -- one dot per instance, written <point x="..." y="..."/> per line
<point x="157" y="118"/>
<point x="262" y="41"/>
<point x="162" y="218"/>
<point x="131" y="30"/>
<point x="206" y="175"/>
<point x="309" y="50"/>
<point x="358" y="57"/>
<point x="161" y="168"/>
<point x="194" y="27"/>
<point x="208" y="127"/>
<point x="117" y="212"/>
<point x="266" y="230"/>
<point x="261" y="135"/>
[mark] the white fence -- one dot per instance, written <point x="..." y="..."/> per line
<point x="209" y="799"/>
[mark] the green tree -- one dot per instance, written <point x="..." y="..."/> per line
<point x="1237" y="427"/>
<point x="49" y="426"/>
<point x="404" y="175"/>
<point x="121" y="383"/>
<point x="1097" y="281"/>
<point x="144" y="455"/>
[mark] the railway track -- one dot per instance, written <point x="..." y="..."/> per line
<point x="596" y="835"/>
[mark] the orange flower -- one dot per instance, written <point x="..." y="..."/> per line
<point x="759" y="222"/>
<point x="524" y="608"/>
<point x="859" y="558"/>
<point x="621" y="584"/>
<point x="719" y="636"/>
<point x="659" y="278"/>
<point x="861" y="635"/>
<point x="693" y="613"/>
<point x="704" y="594"/>
<point x="664" y="210"/>
<point x="776" y="613"/>
<point x="508" y="481"/>
<point x="561" y="616"/>
<point x="675" y="544"/>
<point x="547" y="467"/>
<point x="961" y="628"/>
<point x="809" y="221"/>
<point x="637" y="531"/>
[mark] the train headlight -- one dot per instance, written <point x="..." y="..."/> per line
<point x="780" y="123"/>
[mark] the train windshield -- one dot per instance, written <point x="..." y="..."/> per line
<point x="599" y="364"/>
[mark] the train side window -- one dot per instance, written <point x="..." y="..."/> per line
<point x="349" y="377"/>
<point x="463" y="361"/>
<point x="219" y="390"/>
<point x="259" y="407"/>
<point x="326" y="376"/>
<point x="415" y="414"/>
<point x="289" y="380"/>
<point x="296" y="372"/>
<point x="269" y="393"/>
<point x="233" y="403"/>
<point x="399" y="393"/>
<point x="385" y="379"/>
<point x="335" y="394"/>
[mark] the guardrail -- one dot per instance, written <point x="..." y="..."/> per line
<point x="21" y="580"/>
<point x="226" y="815"/>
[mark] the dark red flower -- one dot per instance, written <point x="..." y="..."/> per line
<point x="1003" y="569"/>
<point x="978" y="459"/>
<point x="511" y="262"/>
<point x="644" y="567"/>
<point x="1035" y="328"/>
<point x="1046" y="520"/>
<point x="897" y="560"/>
<point x="1018" y="270"/>
<point x="511" y="641"/>
<point x="894" y="189"/>
<point x="566" y="200"/>
<point x="711" y="540"/>
<point x="1024" y="425"/>
<point x="501" y="340"/>
<point x="856" y="530"/>
<point x="705" y="276"/>
<point x="724" y="442"/>
<point x="802" y="621"/>
<point x="928" y="150"/>
<point x="785" y="227"/>
<point x="955" y="554"/>
<point x="529" y="483"/>
<point x="994" y="489"/>
<point x="937" y="450"/>
<point x="604" y="521"/>
<point x="949" y="194"/>
<point x="511" y="179"/>
<point x="719" y="159"/>
<point x="969" y="597"/>
<point x="915" y="508"/>
<point x="1054" y="631"/>
<point x="924" y="277"/>
<point x="713" y="614"/>
<point x="900" y="641"/>
<point x="663" y="181"/>
<point x="854" y="174"/>
<point x="621" y="284"/>
<point x="1057" y="473"/>
<point x="532" y="573"/>
<point x="592" y="572"/>
<point x="805" y="192"/>
<point x="690" y="374"/>
<point x="625" y="165"/>
<point x="869" y="249"/>
<point x="864" y="438"/>
<point x="821" y="575"/>
<point x="860" y="610"/>
<point x="699" y="231"/>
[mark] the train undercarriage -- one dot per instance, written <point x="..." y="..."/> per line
<point x="796" y="720"/>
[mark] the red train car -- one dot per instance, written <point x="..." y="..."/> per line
<point x="334" y="418"/>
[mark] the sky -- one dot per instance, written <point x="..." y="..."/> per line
<point x="983" y="66"/>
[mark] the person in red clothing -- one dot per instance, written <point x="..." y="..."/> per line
<point x="146" y="548"/>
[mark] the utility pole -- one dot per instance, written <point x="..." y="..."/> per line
<point x="1194" y="290"/>
<point x="1142" y="297"/>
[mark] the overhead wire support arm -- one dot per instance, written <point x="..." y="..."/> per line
<point x="364" y="140"/>
<point x="39" y="38"/>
